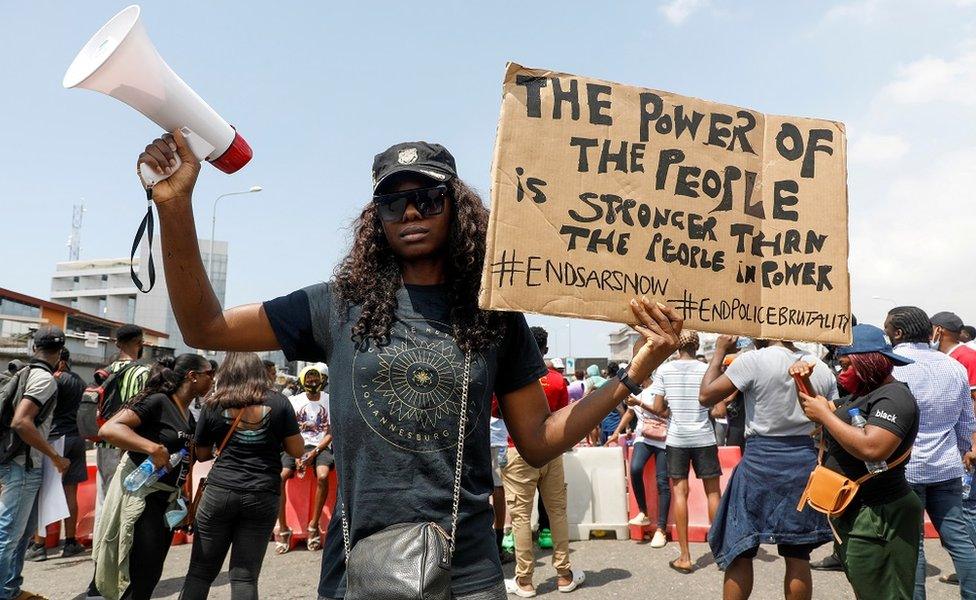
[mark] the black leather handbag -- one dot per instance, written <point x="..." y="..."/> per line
<point x="407" y="561"/>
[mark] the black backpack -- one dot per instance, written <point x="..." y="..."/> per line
<point x="11" y="394"/>
<point x="101" y="401"/>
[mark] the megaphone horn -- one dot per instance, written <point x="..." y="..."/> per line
<point x="121" y="61"/>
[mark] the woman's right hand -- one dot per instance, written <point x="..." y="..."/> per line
<point x="160" y="156"/>
<point x="159" y="456"/>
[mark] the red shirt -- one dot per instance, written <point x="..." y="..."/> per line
<point x="557" y="393"/>
<point x="967" y="357"/>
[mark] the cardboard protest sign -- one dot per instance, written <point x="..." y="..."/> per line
<point x="602" y="192"/>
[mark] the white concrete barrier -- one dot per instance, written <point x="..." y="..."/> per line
<point x="596" y="482"/>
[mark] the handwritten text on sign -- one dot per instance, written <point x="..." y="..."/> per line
<point x="602" y="191"/>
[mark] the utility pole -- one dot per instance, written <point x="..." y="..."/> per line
<point x="74" y="240"/>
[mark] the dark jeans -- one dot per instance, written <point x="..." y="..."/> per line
<point x="151" y="540"/>
<point x="225" y="518"/>
<point x="642" y="453"/>
<point x="943" y="502"/>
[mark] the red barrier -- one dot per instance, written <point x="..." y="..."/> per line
<point x="729" y="457"/>
<point x="299" y="502"/>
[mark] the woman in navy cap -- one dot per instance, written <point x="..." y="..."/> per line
<point x="880" y="530"/>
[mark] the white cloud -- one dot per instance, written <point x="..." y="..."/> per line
<point x="676" y="11"/>
<point x="859" y="10"/>
<point x="934" y="79"/>
<point x="876" y="147"/>
<point x="911" y="243"/>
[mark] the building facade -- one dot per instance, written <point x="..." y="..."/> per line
<point x="89" y="338"/>
<point x="103" y="287"/>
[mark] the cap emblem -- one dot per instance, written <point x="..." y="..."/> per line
<point x="407" y="156"/>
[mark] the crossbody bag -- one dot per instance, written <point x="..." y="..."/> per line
<point x="408" y="561"/>
<point x="191" y="513"/>
<point x="830" y="492"/>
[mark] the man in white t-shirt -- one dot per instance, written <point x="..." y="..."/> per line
<point x="312" y="410"/>
<point x="691" y="438"/>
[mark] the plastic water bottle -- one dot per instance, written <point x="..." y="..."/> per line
<point x="857" y="420"/>
<point x="148" y="474"/>
<point x="967" y="484"/>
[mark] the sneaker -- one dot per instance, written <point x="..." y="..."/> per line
<point x="36" y="553"/>
<point x="951" y="579"/>
<point x="512" y="587"/>
<point x="659" y="540"/>
<point x="578" y="579"/>
<point x="545" y="539"/>
<point x="71" y="548"/>
<point x="830" y="563"/>
<point x="508" y="542"/>
<point x="640" y="520"/>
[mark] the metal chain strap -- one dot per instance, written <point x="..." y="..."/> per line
<point x="458" y="466"/>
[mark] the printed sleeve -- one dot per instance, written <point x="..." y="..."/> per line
<point x="895" y="412"/>
<point x="300" y="320"/>
<point x="41" y="387"/>
<point x="742" y="372"/>
<point x="519" y="360"/>
<point x="149" y="409"/>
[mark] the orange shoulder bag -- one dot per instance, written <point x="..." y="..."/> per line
<point x="830" y="492"/>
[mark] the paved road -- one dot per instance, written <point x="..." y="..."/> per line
<point x="614" y="570"/>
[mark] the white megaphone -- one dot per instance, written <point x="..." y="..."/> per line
<point x="121" y="61"/>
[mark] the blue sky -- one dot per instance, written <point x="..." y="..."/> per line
<point x="318" y="89"/>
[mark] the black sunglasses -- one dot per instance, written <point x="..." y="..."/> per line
<point x="429" y="202"/>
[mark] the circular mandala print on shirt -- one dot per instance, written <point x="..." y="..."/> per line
<point x="409" y="392"/>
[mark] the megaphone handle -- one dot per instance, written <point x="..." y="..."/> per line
<point x="151" y="178"/>
<point x="200" y="147"/>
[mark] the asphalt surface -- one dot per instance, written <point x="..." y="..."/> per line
<point x="623" y="569"/>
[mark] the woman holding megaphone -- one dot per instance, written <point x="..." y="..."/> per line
<point x="413" y="363"/>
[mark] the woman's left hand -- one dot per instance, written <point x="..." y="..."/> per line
<point x="816" y="408"/>
<point x="659" y="326"/>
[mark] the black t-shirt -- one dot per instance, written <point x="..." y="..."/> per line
<point x="395" y="413"/>
<point x="252" y="458"/>
<point x="162" y="422"/>
<point x="70" y="390"/>
<point x="892" y="407"/>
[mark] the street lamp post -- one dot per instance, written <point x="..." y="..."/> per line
<point x="213" y="224"/>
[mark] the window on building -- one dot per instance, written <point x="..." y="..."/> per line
<point x="76" y="279"/>
<point x="102" y="305"/>
<point x="18" y="309"/>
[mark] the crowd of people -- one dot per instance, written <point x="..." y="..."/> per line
<point x="432" y="410"/>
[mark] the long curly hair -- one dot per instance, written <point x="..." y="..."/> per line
<point x="370" y="276"/>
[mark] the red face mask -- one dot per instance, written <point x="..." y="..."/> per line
<point x="850" y="380"/>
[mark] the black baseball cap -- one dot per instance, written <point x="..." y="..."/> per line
<point x="49" y="337"/>
<point x="947" y="320"/>
<point x="430" y="160"/>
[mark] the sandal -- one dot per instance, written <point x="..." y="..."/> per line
<point x="282" y="541"/>
<point x="25" y="595"/>
<point x="683" y="570"/>
<point x="314" y="541"/>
